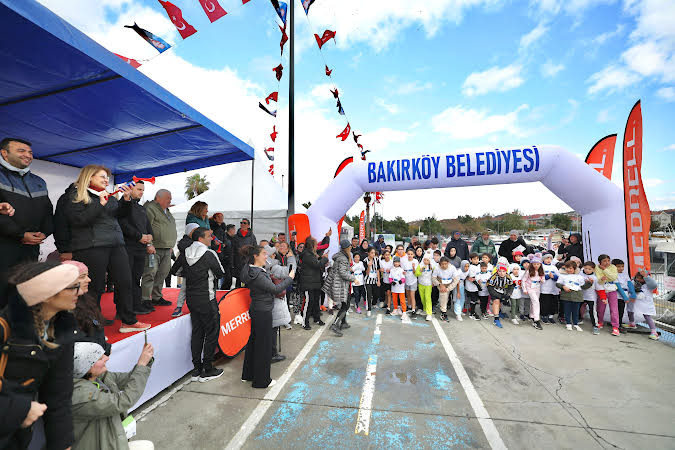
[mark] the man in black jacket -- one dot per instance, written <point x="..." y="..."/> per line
<point x="201" y="269"/>
<point x="507" y="247"/>
<point x="243" y="237"/>
<point x="22" y="233"/>
<point x="137" y="233"/>
<point x="227" y="253"/>
<point x="458" y="244"/>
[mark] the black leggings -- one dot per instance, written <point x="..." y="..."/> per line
<point x="549" y="304"/>
<point x="473" y="300"/>
<point x="483" y="303"/>
<point x="311" y="309"/>
<point x="622" y="308"/>
<point x="371" y="292"/>
<point x="115" y="261"/>
<point x="591" y="312"/>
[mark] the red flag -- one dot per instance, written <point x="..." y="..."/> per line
<point x="345" y="133"/>
<point x="243" y="2"/>
<point x="284" y="38"/>
<point x="269" y="152"/>
<point x="274" y="133"/>
<point x="271" y="169"/>
<point x="328" y="71"/>
<point x="378" y="197"/>
<point x="638" y="216"/>
<point x="335" y="93"/>
<point x="601" y="156"/>
<point x="363" y="154"/>
<point x="327" y="36"/>
<point x="279" y="71"/>
<point x="176" y="15"/>
<point x="362" y="226"/>
<point x="132" y="62"/>
<point x="212" y="9"/>
<point x="273" y="96"/>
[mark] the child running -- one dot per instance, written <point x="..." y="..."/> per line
<point x="572" y="285"/>
<point x="516" y="276"/>
<point x="500" y="286"/>
<point x="607" y="275"/>
<point x="358" y="287"/>
<point x="445" y="276"/>
<point x="460" y="293"/>
<point x="549" y="291"/>
<point x="532" y="286"/>
<point x="397" y="280"/>
<point x="626" y="290"/>
<point x="483" y="294"/>
<point x="644" y="302"/>
<point x="592" y="295"/>
<point x="471" y="286"/>
<point x="386" y="264"/>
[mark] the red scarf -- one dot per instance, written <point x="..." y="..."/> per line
<point x="243" y="233"/>
<point x="97" y="189"/>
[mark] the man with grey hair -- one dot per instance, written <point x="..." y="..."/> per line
<point x="514" y="241"/>
<point x="163" y="239"/>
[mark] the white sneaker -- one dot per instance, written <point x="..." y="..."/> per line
<point x="404" y="316"/>
<point x="569" y="327"/>
<point x="272" y="383"/>
<point x="288" y="326"/>
<point x="428" y="317"/>
<point x="368" y="313"/>
<point x="459" y="317"/>
<point x="381" y="304"/>
<point x="396" y="312"/>
<point x="298" y="320"/>
<point x="515" y="321"/>
<point x="578" y="328"/>
<point x="419" y="311"/>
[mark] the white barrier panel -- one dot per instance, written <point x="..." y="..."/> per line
<point x="598" y="200"/>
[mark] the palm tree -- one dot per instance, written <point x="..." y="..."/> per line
<point x="195" y="185"/>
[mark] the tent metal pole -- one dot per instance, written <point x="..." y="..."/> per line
<point x="252" y="186"/>
<point x="291" y="112"/>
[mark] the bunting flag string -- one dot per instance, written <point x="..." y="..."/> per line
<point x="306" y="4"/>
<point x="157" y="42"/>
<point x="271" y="169"/>
<point x="269" y="152"/>
<point x="132" y="62"/>
<point x="279" y="70"/>
<point x="321" y="41"/>
<point x="274" y="96"/>
<point x="212" y="9"/>
<point x="282" y="10"/>
<point x="274" y="133"/>
<point x="176" y="16"/>
<point x="284" y="38"/>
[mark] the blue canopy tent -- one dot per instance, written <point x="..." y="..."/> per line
<point x="80" y="104"/>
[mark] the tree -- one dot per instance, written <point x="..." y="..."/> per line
<point x="398" y="226"/>
<point x="561" y="221"/>
<point x="353" y="222"/>
<point x="431" y="226"/>
<point x="465" y="219"/>
<point x="512" y="221"/>
<point x="196" y="185"/>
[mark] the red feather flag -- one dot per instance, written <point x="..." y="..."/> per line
<point x="243" y="2"/>
<point x="345" y="133"/>
<point x="279" y="70"/>
<point x="176" y="16"/>
<point x="273" y="96"/>
<point x="271" y="169"/>
<point x="274" y="133"/>
<point x="132" y="62"/>
<point x="327" y="36"/>
<point x="284" y="38"/>
<point x="328" y="71"/>
<point x="335" y="93"/>
<point x="212" y="9"/>
<point x="378" y="197"/>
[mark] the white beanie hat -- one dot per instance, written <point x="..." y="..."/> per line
<point x="85" y="355"/>
<point x="190" y="227"/>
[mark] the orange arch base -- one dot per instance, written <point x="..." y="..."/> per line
<point x="235" y="321"/>
<point x="300" y="224"/>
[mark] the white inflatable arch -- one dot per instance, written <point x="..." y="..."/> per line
<point x="598" y="200"/>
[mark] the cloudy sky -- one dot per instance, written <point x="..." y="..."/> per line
<point x="418" y="78"/>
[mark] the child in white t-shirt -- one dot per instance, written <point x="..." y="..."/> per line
<point x="482" y="278"/>
<point x="446" y="277"/>
<point x="359" y="289"/>
<point x="409" y="265"/>
<point x="471" y="285"/>
<point x="517" y="293"/>
<point x="397" y="279"/>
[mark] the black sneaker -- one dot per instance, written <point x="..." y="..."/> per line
<point x="523" y="317"/>
<point x="320" y="322"/>
<point x="277" y="358"/>
<point x="387" y="312"/>
<point x="335" y="329"/>
<point x="444" y="317"/>
<point x="210" y="373"/>
<point x="344" y="326"/>
<point x="544" y="319"/>
<point x="307" y="327"/>
<point x="177" y="312"/>
<point x="161" y="302"/>
<point x="196" y="372"/>
<point x="142" y="312"/>
<point x="537" y="325"/>
<point x="474" y="316"/>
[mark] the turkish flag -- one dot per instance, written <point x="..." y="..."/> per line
<point x="176" y="15"/>
<point x="328" y="71"/>
<point x="345" y="133"/>
<point x="243" y="2"/>
<point x="271" y="169"/>
<point x="212" y="9"/>
<point x="327" y="36"/>
<point x="273" y="96"/>
<point x="279" y="70"/>
<point x="284" y="38"/>
<point x="335" y="93"/>
<point x="274" y="133"/>
<point x="132" y="62"/>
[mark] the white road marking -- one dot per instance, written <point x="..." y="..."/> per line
<point x="486" y="423"/>
<point x="256" y="416"/>
<point x="366" y="404"/>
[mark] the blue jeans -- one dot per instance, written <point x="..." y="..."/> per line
<point x="459" y="299"/>
<point x="571" y="312"/>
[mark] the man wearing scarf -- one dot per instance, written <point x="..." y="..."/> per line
<point x="243" y="237"/>
<point x="21" y="233"/>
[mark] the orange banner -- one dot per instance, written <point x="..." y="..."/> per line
<point x="601" y="156"/>
<point x="362" y="226"/>
<point x="638" y="216"/>
<point x="235" y="321"/>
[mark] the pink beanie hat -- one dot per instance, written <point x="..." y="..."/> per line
<point x="79" y="265"/>
<point x="47" y="284"/>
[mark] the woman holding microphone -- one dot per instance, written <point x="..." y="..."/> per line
<point x="258" y="357"/>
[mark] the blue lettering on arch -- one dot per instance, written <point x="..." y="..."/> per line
<point x="507" y="158"/>
<point x="479" y="163"/>
<point x="391" y="175"/>
<point x="491" y="163"/>
<point x="536" y="154"/>
<point x="469" y="172"/>
<point x="516" y="160"/>
<point x="526" y="154"/>
<point x="460" y="164"/>
<point x="450" y="161"/>
<point x="371" y="172"/>
<point x="405" y="167"/>
<point x="381" y="174"/>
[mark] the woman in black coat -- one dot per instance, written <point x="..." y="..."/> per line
<point x="258" y="357"/>
<point x="97" y="239"/>
<point x="38" y="379"/>
<point x="310" y="281"/>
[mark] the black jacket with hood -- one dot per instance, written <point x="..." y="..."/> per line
<point x="93" y="225"/>
<point x="61" y="225"/>
<point x="574" y="249"/>
<point x="263" y="290"/>
<point x="506" y="248"/>
<point x="239" y="241"/>
<point x="36" y="372"/>
<point x="201" y="268"/>
<point x="134" y="225"/>
<point x="310" y="276"/>
<point x="460" y="245"/>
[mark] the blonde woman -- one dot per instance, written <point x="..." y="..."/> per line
<point x="97" y="240"/>
<point x="199" y="213"/>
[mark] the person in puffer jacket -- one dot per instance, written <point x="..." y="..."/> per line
<point x="182" y="245"/>
<point x="336" y="285"/>
<point x="258" y="357"/>
<point x="201" y="268"/>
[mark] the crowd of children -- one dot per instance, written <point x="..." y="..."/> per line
<point x="536" y="287"/>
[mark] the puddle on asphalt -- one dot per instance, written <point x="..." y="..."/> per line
<point x="403" y="378"/>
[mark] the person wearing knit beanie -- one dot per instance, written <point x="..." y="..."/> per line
<point x="85" y="355"/>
